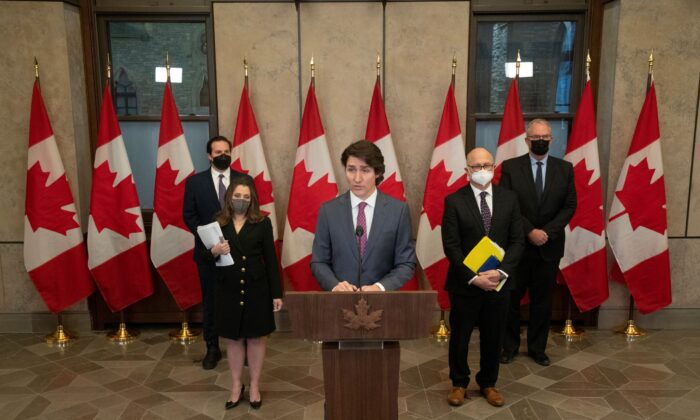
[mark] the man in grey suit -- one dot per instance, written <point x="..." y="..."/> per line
<point x="363" y="237"/>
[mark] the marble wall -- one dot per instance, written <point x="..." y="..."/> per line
<point x="632" y="28"/>
<point x="49" y="31"/>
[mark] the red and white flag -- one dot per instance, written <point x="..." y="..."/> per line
<point x="584" y="265"/>
<point x="248" y="157"/>
<point x="378" y="133"/>
<point x="313" y="183"/>
<point x="447" y="175"/>
<point x="118" y="255"/>
<point x="54" y="253"/>
<point x="172" y="243"/>
<point x="511" y="137"/>
<point x="637" y="224"/>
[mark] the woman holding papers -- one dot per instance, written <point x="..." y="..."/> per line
<point x="247" y="292"/>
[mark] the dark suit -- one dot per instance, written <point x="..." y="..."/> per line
<point x="538" y="269"/>
<point x="462" y="229"/>
<point x="200" y="205"/>
<point x="390" y="255"/>
<point x="244" y="291"/>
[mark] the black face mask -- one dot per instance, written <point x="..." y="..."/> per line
<point x="539" y="147"/>
<point x="222" y="162"/>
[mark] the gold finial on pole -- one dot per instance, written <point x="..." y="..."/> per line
<point x="651" y="62"/>
<point x="588" y="64"/>
<point x="245" y="71"/>
<point x="167" y="65"/>
<point x="36" y="69"/>
<point x="517" y="65"/>
<point x="109" y="67"/>
<point x="454" y="63"/>
<point x="313" y="67"/>
<point x="379" y="64"/>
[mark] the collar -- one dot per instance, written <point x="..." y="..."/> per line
<point x="534" y="161"/>
<point x="371" y="200"/>
<point x="477" y="192"/>
<point x="215" y="172"/>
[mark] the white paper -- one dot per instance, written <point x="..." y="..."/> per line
<point x="211" y="235"/>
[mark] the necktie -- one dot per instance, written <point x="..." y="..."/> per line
<point x="222" y="190"/>
<point x="362" y="222"/>
<point x="485" y="212"/>
<point x="539" y="182"/>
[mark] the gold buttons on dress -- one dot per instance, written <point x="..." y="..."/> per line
<point x="242" y="303"/>
<point x="244" y="258"/>
<point x="242" y="269"/>
<point x="243" y="292"/>
<point x="242" y="281"/>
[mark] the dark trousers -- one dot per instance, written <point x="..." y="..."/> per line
<point x="537" y="276"/>
<point x="207" y="281"/>
<point x="490" y="310"/>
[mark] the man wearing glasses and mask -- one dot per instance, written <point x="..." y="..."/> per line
<point x="547" y="196"/>
<point x="472" y="212"/>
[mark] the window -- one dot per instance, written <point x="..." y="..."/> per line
<point x="553" y="43"/>
<point x="137" y="45"/>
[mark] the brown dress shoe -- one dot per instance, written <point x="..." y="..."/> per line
<point x="493" y="396"/>
<point x="456" y="396"/>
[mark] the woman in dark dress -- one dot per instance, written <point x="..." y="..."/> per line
<point x="249" y="291"/>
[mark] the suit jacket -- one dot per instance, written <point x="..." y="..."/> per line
<point x="463" y="228"/>
<point x="556" y="208"/>
<point x="390" y="254"/>
<point x="200" y="206"/>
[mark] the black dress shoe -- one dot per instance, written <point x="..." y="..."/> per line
<point x="540" y="358"/>
<point x="256" y="404"/>
<point x="507" y="356"/>
<point x="212" y="357"/>
<point x="232" y="404"/>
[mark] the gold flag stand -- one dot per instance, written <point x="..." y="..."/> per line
<point x="122" y="335"/>
<point x="569" y="332"/>
<point x="441" y="333"/>
<point x="60" y="337"/>
<point x="185" y="335"/>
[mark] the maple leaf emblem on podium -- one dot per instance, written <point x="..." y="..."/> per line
<point x="362" y="317"/>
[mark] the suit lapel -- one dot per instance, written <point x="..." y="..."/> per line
<point x="347" y="223"/>
<point x="548" y="178"/>
<point x="378" y="220"/>
<point x="470" y="200"/>
<point x="212" y="188"/>
<point x="526" y="169"/>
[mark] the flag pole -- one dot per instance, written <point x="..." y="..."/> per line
<point x="313" y="72"/>
<point x="631" y="330"/>
<point x="60" y="337"/>
<point x="441" y="333"/>
<point x="245" y="71"/>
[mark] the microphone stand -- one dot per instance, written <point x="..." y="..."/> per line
<point x="359" y="231"/>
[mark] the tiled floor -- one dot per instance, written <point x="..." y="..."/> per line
<point x="602" y="376"/>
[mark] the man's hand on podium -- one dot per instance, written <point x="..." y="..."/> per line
<point x="371" y="288"/>
<point x="344" y="286"/>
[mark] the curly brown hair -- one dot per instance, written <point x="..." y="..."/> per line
<point x="253" y="215"/>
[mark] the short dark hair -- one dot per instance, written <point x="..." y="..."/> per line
<point x="369" y="153"/>
<point x="215" y="139"/>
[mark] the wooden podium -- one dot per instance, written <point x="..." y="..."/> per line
<point x="361" y="353"/>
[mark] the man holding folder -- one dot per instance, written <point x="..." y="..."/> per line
<point x="481" y="224"/>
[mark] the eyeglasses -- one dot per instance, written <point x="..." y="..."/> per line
<point x="535" y="138"/>
<point x="487" y="166"/>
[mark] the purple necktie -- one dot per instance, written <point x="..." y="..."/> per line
<point x="222" y="190"/>
<point x="485" y="212"/>
<point x="362" y="222"/>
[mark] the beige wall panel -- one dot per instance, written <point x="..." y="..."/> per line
<point x="670" y="29"/>
<point x="267" y="34"/>
<point x="29" y="29"/>
<point x="694" y="211"/>
<point x="420" y="41"/>
<point x="344" y="39"/>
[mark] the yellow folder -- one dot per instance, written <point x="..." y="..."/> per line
<point x="486" y="255"/>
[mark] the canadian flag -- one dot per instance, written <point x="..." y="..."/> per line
<point x="637" y="225"/>
<point x="116" y="238"/>
<point x="446" y="175"/>
<point x="584" y="265"/>
<point x="54" y="253"/>
<point x="248" y="157"/>
<point x="511" y="137"/>
<point x="172" y="242"/>
<point x="313" y="183"/>
<point x="378" y="133"/>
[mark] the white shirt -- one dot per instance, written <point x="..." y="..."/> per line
<point x="215" y="176"/>
<point x="369" y="209"/>
<point x="533" y="164"/>
<point x="369" y="215"/>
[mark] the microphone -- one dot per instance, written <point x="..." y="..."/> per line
<point x="359" y="231"/>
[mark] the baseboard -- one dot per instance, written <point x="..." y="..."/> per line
<point x="43" y="322"/>
<point x="669" y="318"/>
